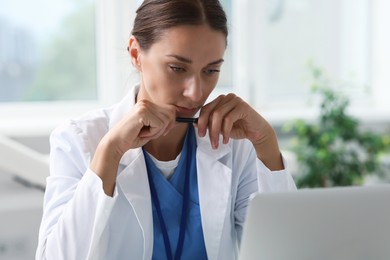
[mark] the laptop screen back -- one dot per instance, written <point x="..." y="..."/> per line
<point x="334" y="223"/>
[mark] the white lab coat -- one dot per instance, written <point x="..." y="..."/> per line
<point x="81" y="222"/>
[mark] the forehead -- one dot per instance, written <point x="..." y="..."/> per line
<point x="192" y="41"/>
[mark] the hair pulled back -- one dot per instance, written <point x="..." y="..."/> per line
<point x="155" y="16"/>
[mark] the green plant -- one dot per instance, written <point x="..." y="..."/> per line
<point x="334" y="151"/>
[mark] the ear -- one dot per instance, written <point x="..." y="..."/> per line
<point x="134" y="51"/>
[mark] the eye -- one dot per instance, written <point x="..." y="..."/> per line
<point x="210" y="72"/>
<point x="176" y="68"/>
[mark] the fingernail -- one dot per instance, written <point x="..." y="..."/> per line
<point x="225" y="140"/>
<point x="215" y="144"/>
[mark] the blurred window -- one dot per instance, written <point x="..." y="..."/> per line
<point x="276" y="40"/>
<point x="71" y="55"/>
<point x="226" y="77"/>
<point x="47" y="50"/>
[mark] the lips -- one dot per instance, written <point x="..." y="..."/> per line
<point x="184" y="111"/>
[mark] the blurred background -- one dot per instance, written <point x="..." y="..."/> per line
<point x="316" y="69"/>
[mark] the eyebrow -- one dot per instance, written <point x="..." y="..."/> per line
<point x="186" y="60"/>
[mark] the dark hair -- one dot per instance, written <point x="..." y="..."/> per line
<point x="155" y="16"/>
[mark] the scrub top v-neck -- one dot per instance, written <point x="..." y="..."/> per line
<point x="170" y="193"/>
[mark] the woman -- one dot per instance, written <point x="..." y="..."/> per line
<point x="129" y="182"/>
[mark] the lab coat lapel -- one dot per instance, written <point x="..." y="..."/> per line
<point x="214" y="182"/>
<point x="133" y="181"/>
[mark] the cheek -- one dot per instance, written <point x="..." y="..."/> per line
<point x="159" y="80"/>
<point x="152" y="74"/>
<point x="210" y="84"/>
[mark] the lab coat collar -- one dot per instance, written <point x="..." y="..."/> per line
<point x="124" y="106"/>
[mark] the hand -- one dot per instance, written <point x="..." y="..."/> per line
<point x="146" y="121"/>
<point x="232" y="117"/>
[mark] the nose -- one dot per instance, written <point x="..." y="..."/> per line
<point x="193" y="88"/>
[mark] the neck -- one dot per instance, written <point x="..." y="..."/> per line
<point x="167" y="148"/>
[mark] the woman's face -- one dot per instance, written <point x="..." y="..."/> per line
<point x="182" y="68"/>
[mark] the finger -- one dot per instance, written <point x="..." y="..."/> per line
<point x="159" y="120"/>
<point x="170" y="119"/>
<point x="152" y="125"/>
<point x="204" y="115"/>
<point x="238" y="110"/>
<point x="232" y="122"/>
<point x="160" y="126"/>
<point x="145" y="136"/>
<point x="227" y="126"/>
<point x="150" y="131"/>
<point x="217" y="118"/>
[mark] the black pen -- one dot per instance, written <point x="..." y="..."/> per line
<point x="187" y="120"/>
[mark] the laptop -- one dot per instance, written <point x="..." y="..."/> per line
<point x="331" y="224"/>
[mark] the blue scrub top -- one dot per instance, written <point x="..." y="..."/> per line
<point x="170" y="195"/>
